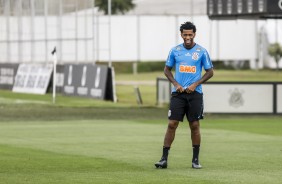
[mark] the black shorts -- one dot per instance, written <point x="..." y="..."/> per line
<point x="190" y="105"/>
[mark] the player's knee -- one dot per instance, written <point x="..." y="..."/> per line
<point x="172" y="125"/>
<point x="194" y="126"/>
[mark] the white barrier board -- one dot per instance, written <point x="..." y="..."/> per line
<point x="33" y="78"/>
<point x="238" y="98"/>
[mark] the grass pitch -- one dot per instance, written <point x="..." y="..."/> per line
<point x="81" y="141"/>
<point x="120" y="149"/>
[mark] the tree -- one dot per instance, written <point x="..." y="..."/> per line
<point x="118" y="6"/>
<point x="275" y="50"/>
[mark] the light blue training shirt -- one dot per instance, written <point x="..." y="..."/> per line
<point x="188" y="64"/>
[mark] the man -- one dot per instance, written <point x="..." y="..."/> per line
<point x="187" y="98"/>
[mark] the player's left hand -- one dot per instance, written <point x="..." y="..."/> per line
<point x="187" y="90"/>
<point x="190" y="89"/>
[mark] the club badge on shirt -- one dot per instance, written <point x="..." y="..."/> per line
<point x="195" y="56"/>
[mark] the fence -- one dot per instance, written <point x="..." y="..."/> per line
<point x="30" y="29"/>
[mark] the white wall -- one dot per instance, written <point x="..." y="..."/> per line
<point x="158" y="34"/>
<point x="145" y="38"/>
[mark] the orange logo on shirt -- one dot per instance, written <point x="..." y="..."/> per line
<point x="187" y="69"/>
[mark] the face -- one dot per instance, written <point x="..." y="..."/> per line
<point x="188" y="38"/>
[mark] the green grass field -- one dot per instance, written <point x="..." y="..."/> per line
<point x="81" y="141"/>
<point x="238" y="150"/>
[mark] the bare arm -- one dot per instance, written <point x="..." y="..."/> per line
<point x="169" y="76"/>
<point x="205" y="77"/>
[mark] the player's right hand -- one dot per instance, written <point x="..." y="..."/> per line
<point x="180" y="89"/>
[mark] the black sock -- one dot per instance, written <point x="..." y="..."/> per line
<point x="196" y="150"/>
<point x="165" y="152"/>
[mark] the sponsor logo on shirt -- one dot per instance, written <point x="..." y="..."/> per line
<point x="187" y="54"/>
<point x="187" y="69"/>
<point x="178" y="48"/>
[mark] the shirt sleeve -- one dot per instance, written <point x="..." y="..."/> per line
<point x="206" y="61"/>
<point x="170" y="59"/>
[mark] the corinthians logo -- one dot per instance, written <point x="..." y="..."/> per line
<point x="70" y="75"/>
<point x="83" y="77"/>
<point x="97" y="79"/>
<point x="195" y="56"/>
<point x="280" y="4"/>
<point x="236" y="98"/>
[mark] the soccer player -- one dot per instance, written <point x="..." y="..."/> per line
<point x="188" y="59"/>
